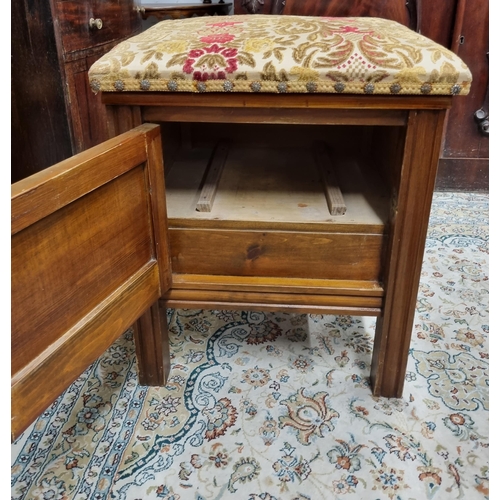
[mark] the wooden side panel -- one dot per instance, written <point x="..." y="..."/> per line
<point x="86" y="262"/>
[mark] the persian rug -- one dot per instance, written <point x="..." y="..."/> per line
<point x="278" y="406"/>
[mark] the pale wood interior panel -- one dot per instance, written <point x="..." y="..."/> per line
<point x="106" y="252"/>
<point x="275" y="185"/>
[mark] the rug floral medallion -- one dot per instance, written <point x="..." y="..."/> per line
<point x="271" y="406"/>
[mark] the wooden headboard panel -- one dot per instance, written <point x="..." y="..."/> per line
<point x="403" y="11"/>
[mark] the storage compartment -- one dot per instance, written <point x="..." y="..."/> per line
<point x="284" y="201"/>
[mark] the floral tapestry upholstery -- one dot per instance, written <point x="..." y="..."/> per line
<point x="281" y="54"/>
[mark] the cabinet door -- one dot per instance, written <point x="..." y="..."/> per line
<point x="89" y="256"/>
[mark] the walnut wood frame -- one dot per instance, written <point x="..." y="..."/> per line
<point x="421" y="118"/>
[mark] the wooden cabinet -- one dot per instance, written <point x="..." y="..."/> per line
<point x="54" y="112"/>
<point x="85" y="30"/>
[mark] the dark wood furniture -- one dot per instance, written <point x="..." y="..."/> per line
<point x="54" y="112"/>
<point x="80" y="279"/>
<point x="460" y="25"/>
<point x="180" y="10"/>
<point x="40" y="129"/>
<point x="363" y="265"/>
<point x="84" y="31"/>
<point x="464" y="161"/>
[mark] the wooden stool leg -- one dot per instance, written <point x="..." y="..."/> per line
<point x="151" y="344"/>
<point x="409" y="221"/>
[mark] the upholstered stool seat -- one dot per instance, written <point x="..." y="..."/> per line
<point x="281" y="54"/>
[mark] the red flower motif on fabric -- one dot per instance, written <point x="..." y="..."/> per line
<point x="221" y="38"/>
<point x="213" y="62"/>
<point x="351" y="29"/>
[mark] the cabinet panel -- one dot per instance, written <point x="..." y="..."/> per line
<point x="40" y="132"/>
<point x="113" y="20"/>
<point x="465" y="139"/>
<point x="79" y="46"/>
<point x="88" y="114"/>
<point x="436" y="20"/>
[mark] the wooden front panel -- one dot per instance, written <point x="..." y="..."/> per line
<point x="39" y="256"/>
<point x="276" y="254"/>
<point x="119" y="19"/>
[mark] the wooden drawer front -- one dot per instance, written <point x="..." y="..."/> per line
<point x="277" y="254"/>
<point x="118" y="18"/>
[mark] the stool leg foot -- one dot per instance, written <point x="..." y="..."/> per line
<point x="389" y="361"/>
<point x="151" y="344"/>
